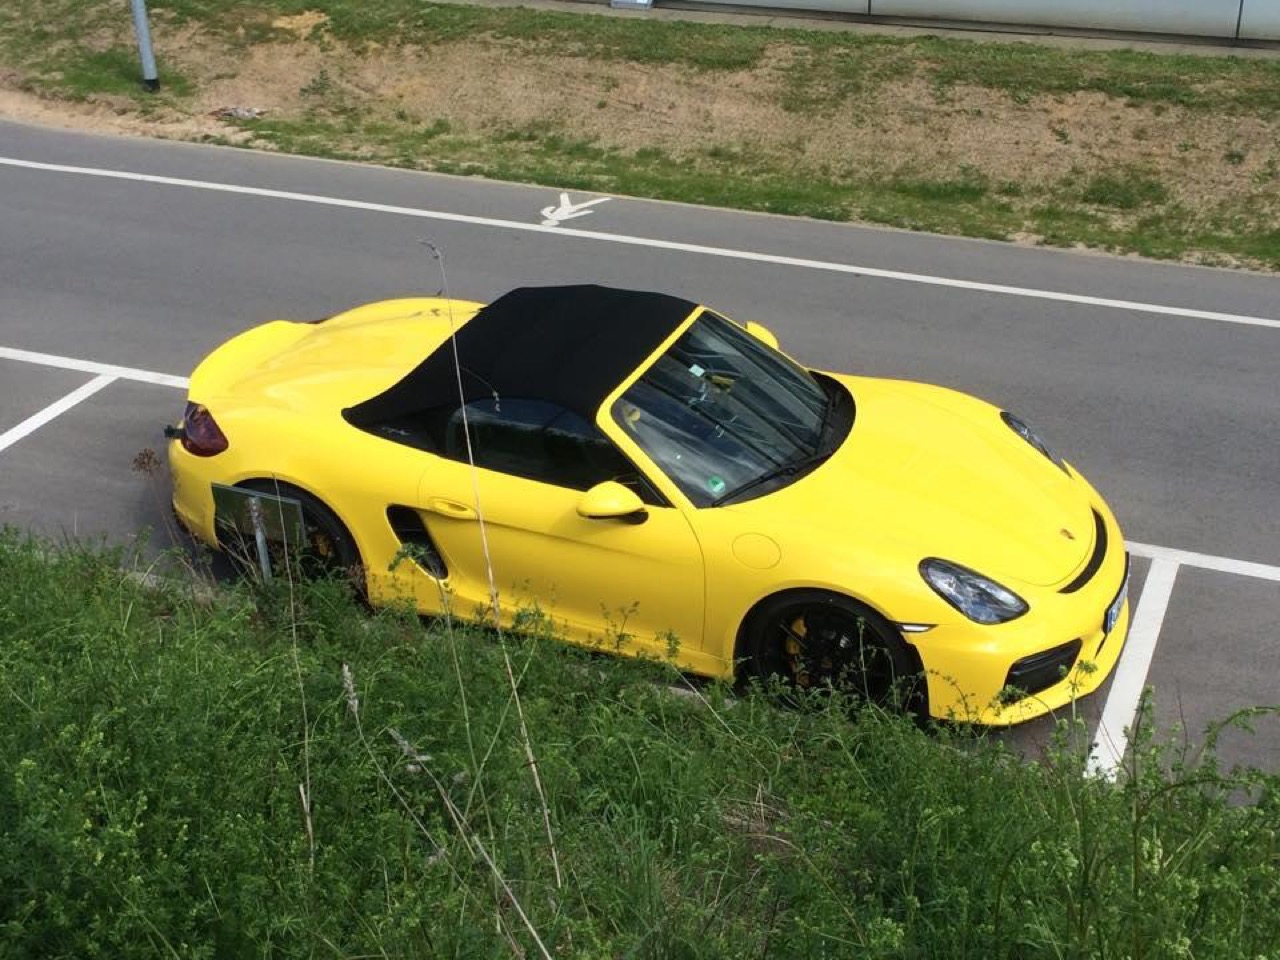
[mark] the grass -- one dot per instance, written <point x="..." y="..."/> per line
<point x="1191" y="176"/>
<point x="427" y="24"/>
<point x="1128" y="191"/>
<point x="851" y="61"/>
<point x="50" y="40"/>
<point x="1137" y="77"/>
<point x="966" y="205"/>
<point x="112" y="72"/>
<point x="276" y="772"/>
<point x="823" y="59"/>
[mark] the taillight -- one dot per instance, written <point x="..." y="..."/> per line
<point x="201" y="434"/>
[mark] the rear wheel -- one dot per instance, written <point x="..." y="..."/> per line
<point x="815" y="640"/>
<point x="328" y="551"/>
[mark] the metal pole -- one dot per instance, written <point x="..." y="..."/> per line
<point x="150" y="78"/>
<point x="260" y="537"/>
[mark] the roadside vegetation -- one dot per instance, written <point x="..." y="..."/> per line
<point x="277" y="772"/>
<point x="1161" y="154"/>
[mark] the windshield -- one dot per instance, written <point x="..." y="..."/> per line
<point x="720" y="411"/>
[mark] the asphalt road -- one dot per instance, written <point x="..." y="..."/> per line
<point x="1159" y="382"/>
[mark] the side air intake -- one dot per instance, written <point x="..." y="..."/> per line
<point x="406" y="524"/>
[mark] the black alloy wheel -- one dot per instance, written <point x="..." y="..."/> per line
<point x="814" y="640"/>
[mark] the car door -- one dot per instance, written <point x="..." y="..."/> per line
<point x="607" y="582"/>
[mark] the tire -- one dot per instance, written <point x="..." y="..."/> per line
<point x="329" y="550"/>
<point x="816" y="640"/>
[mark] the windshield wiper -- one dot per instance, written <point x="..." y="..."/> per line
<point x="792" y="467"/>
<point x="788" y="469"/>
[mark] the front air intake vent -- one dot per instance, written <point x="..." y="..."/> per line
<point x="1040" y="671"/>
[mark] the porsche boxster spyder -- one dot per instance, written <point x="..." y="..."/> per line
<point x="656" y="478"/>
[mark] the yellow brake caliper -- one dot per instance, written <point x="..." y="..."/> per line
<point x="794" y="650"/>
<point x="322" y="545"/>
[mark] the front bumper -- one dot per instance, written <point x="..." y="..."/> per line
<point x="967" y="665"/>
<point x="982" y="702"/>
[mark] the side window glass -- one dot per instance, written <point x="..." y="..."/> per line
<point x="543" y="442"/>
<point x="506" y="435"/>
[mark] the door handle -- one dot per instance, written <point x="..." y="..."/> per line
<point x="451" y="508"/>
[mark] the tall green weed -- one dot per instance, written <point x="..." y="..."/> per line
<point x="154" y="756"/>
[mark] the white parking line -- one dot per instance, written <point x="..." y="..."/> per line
<point x="89" y="366"/>
<point x="34" y="423"/>
<point x="1241" y="568"/>
<point x="1112" y="737"/>
<point x="562" y="231"/>
<point x="1125" y="695"/>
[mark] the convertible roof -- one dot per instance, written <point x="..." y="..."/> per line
<point x="569" y="345"/>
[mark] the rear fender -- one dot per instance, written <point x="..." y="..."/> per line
<point x="242" y="354"/>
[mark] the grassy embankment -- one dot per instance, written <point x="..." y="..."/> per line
<point x="264" y="774"/>
<point x="1167" y="155"/>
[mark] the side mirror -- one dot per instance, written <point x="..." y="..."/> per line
<point x="762" y="333"/>
<point x="612" y="501"/>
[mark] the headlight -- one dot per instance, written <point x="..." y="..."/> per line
<point x="979" y="599"/>
<point x="1029" y="435"/>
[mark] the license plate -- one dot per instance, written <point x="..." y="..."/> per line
<point x="1113" y="611"/>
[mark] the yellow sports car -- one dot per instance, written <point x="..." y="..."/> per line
<point x="658" y="479"/>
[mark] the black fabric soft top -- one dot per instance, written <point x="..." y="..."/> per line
<point x="568" y="345"/>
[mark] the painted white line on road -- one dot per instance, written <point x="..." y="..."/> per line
<point x="747" y="255"/>
<point x="1241" y="568"/>
<point x="1112" y="737"/>
<point x="35" y="422"/>
<point x="89" y="366"/>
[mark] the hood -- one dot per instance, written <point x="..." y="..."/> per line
<point x="939" y="474"/>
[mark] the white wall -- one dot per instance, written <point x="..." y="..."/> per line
<point x="1255" y="19"/>
<point x="1260" y="20"/>
<point x="1206" y="18"/>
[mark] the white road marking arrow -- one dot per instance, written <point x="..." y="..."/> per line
<point x="554" y="216"/>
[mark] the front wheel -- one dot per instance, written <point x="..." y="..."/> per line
<point x="815" y="640"/>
